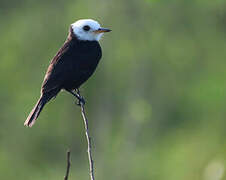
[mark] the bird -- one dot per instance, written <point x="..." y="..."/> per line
<point x="72" y="65"/>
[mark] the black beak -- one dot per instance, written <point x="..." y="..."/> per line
<point x="102" y="30"/>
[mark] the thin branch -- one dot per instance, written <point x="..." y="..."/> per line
<point x="89" y="151"/>
<point x="68" y="165"/>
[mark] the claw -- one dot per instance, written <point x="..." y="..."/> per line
<point x="81" y="101"/>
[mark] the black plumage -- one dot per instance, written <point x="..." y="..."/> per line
<point x="73" y="64"/>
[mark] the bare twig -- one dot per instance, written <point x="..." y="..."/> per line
<point x="68" y="165"/>
<point x="91" y="170"/>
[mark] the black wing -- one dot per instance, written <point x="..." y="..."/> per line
<point x="57" y="69"/>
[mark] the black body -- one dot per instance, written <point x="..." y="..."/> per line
<point x="73" y="64"/>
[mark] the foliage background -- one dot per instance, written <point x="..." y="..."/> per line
<point x="156" y="104"/>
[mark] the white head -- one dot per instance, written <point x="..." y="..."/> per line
<point x="88" y="30"/>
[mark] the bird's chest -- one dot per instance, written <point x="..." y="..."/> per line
<point x="86" y="57"/>
<point x="86" y="63"/>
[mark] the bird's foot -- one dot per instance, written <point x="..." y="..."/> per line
<point x="81" y="101"/>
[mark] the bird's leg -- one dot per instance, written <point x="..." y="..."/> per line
<point x="81" y="99"/>
<point x="76" y="93"/>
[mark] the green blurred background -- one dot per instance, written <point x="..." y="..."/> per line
<point x="156" y="104"/>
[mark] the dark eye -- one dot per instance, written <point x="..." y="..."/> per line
<point x="86" y="28"/>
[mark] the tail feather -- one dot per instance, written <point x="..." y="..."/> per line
<point x="35" y="112"/>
